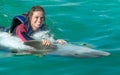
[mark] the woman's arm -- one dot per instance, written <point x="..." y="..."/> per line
<point x="22" y="33"/>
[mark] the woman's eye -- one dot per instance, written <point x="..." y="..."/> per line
<point x="42" y="18"/>
<point x="36" y="17"/>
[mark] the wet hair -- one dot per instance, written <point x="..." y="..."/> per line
<point x="28" y="15"/>
<point x="33" y="9"/>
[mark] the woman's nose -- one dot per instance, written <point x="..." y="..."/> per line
<point x="39" y="19"/>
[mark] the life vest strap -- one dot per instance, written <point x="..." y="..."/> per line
<point x="21" y="19"/>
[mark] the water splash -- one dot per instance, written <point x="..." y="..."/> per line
<point x="12" y="42"/>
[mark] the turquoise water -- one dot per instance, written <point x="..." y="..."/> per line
<point x="95" y="22"/>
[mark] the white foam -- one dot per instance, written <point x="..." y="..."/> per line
<point x="43" y="35"/>
<point x="12" y="42"/>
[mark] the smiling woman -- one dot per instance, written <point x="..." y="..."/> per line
<point x="25" y="25"/>
<point x="36" y="17"/>
<point x="36" y="20"/>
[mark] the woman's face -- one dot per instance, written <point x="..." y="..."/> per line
<point x="37" y="19"/>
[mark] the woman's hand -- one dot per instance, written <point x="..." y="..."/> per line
<point x="45" y="42"/>
<point x="60" y="41"/>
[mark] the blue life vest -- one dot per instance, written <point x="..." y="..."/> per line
<point x="21" y="19"/>
<point x="17" y="20"/>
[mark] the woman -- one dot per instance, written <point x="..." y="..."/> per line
<point x="25" y="25"/>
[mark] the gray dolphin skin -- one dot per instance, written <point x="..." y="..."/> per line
<point x="38" y="45"/>
<point x="66" y="50"/>
<point x="80" y="52"/>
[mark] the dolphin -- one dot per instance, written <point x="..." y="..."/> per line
<point x="78" y="51"/>
<point x="36" y="47"/>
